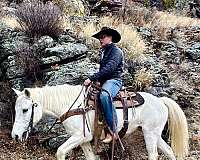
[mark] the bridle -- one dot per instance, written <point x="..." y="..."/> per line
<point x="65" y="115"/>
<point x="30" y="125"/>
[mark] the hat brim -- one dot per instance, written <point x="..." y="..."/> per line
<point x="116" y="37"/>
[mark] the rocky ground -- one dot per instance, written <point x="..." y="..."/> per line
<point x="34" y="150"/>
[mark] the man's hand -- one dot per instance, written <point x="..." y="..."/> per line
<point x="87" y="82"/>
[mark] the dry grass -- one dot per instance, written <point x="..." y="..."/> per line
<point x="138" y="16"/>
<point x="109" y="21"/>
<point x="38" y="19"/>
<point x="88" y="30"/>
<point x="184" y="67"/>
<point x="166" y="20"/>
<point x="143" y="78"/>
<point x="160" y="22"/>
<point x="180" y="83"/>
<point x="11" y="22"/>
<point x="73" y="7"/>
<point x="163" y="22"/>
<point x="131" y="42"/>
<point x="169" y="3"/>
<point x="66" y="23"/>
<point x="144" y="17"/>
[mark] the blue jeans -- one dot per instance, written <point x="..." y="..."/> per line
<point x="109" y="90"/>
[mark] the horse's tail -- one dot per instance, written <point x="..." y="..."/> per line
<point x="178" y="128"/>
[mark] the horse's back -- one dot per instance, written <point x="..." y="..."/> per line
<point x="154" y="111"/>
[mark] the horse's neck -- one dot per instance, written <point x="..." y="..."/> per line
<point x="58" y="99"/>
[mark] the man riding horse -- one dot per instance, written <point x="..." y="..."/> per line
<point x="109" y="75"/>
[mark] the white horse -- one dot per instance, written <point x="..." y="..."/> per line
<point x="151" y="116"/>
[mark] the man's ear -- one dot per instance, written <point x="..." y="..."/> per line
<point x="17" y="92"/>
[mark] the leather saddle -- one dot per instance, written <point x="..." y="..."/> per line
<point x="133" y="99"/>
<point x="126" y="98"/>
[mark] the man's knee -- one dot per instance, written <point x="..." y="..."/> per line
<point x="104" y="95"/>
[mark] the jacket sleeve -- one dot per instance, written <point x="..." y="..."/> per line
<point x="110" y="67"/>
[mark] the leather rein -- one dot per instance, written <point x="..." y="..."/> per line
<point x="77" y="111"/>
<point x="61" y="118"/>
<point x="30" y="125"/>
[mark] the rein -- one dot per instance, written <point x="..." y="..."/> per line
<point x="74" y="102"/>
<point x="30" y="125"/>
<point x="71" y="112"/>
<point x="60" y="119"/>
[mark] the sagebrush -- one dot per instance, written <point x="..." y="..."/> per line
<point x="38" y="19"/>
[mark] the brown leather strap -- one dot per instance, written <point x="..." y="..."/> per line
<point x="124" y="129"/>
<point x="73" y="112"/>
<point x="66" y="114"/>
<point x="96" y="85"/>
<point x="96" y="119"/>
<point x="84" y="118"/>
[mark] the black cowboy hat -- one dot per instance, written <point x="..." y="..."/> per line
<point x="116" y="37"/>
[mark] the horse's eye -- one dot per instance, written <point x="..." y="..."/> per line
<point x="25" y="110"/>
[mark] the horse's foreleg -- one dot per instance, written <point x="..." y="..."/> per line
<point x="167" y="150"/>
<point x="151" y="140"/>
<point x="87" y="149"/>
<point x="66" y="147"/>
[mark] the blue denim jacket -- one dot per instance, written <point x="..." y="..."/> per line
<point x="111" y="65"/>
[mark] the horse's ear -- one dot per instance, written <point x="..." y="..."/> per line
<point x="17" y="92"/>
<point x="27" y="93"/>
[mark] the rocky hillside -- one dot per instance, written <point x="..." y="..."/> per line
<point x="162" y="53"/>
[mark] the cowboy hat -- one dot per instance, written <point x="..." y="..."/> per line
<point x="116" y="37"/>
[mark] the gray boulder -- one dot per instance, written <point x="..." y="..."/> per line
<point x="193" y="52"/>
<point x="65" y="51"/>
<point x="17" y="83"/>
<point x="73" y="73"/>
<point x="54" y="137"/>
<point x="13" y="70"/>
<point x="43" y="43"/>
<point x="50" y="59"/>
<point x="65" y="39"/>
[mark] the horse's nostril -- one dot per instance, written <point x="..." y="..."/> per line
<point x="16" y="137"/>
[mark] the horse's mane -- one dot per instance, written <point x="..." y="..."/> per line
<point x="58" y="98"/>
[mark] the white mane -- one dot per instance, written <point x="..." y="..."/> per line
<point x="57" y="99"/>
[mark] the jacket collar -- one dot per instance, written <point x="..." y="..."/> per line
<point x="108" y="47"/>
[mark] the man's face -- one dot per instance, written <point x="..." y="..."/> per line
<point x="105" y="39"/>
